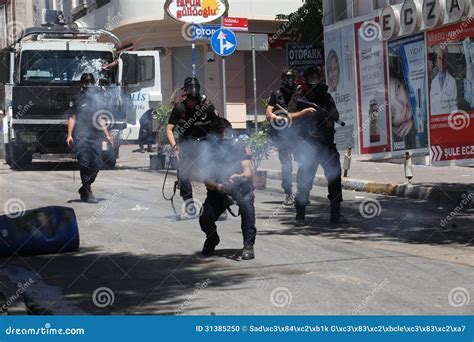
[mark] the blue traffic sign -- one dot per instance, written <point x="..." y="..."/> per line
<point x="204" y="32"/>
<point x="224" y="42"/>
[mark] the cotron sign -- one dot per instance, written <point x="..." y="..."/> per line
<point x="407" y="19"/>
<point x="196" y="11"/>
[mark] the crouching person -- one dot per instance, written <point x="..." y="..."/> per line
<point x="229" y="181"/>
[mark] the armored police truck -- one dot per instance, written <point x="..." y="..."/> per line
<point x="39" y="77"/>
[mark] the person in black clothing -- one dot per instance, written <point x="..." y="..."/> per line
<point x="86" y="129"/>
<point x="146" y="136"/>
<point x="281" y="131"/>
<point x="229" y="180"/>
<point x="192" y="120"/>
<point x="316" y="145"/>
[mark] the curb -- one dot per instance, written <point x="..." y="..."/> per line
<point x="442" y="194"/>
<point x="413" y="191"/>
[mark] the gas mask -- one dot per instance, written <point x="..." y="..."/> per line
<point x="192" y="90"/>
<point x="87" y="81"/>
<point x="288" y="81"/>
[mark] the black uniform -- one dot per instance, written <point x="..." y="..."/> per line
<point x="283" y="139"/>
<point x="227" y="161"/>
<point x="146" y="136"/>
<point x="193" y="125"/>
<point x="316" y="147"/>
<point x="88" y="135"/>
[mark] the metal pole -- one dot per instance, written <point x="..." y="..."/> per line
<point x="224" y="81"/>
<point x="193" y="47"/>
<point x="254" y="63"/>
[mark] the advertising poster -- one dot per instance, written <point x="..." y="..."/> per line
<point x="340" y="78"/>
<point x="407" y="88"/>
<point x="372" y="84"/>
<point x="451" y="91"/>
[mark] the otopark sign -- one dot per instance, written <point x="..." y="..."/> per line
<point x="407" y="19"/>
<point x="196" y="11"/>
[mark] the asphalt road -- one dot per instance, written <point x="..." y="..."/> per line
<point x="136" y="258"/>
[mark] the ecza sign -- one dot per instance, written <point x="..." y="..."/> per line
<point x="406" y="19"/>
<point x="302" y="56"/>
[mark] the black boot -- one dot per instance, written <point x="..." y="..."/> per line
<point x="248" y="252"/>
<point x="90" y="198"/>
<point x="336" y="217"/>
<point x="300" y="220"/>
<point x="210" y="244"/>
<point x="83" y="193"/>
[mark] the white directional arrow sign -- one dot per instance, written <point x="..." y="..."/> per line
<point x="224" y="42"/>
<point x="225" y="45"/>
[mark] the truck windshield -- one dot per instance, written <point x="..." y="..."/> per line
<point x="64" y="67"/>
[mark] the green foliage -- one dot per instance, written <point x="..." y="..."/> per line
<point x="160" y="120"/>
<point x="259" y="144"/>
<point x="162" y="114"/>
<point x="264" y="101"/>
<point x="306" y="24"/>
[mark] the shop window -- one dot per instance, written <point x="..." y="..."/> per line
<point x="380" y="4"/>
<point x="362" y="7"/>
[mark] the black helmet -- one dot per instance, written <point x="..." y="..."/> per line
<point x="87" y="80"/>
<point x="192" y="88"/>
<point x="288" y="79"/>
<point x="223" y="128"/>
<point x="311" y="77"/>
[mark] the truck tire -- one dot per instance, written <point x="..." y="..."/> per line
<point x="8" y="157"/>
<point x="18" y="157"/>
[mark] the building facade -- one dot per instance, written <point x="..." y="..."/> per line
<point x="401" y="73"/>
<point x="144" y="25"/>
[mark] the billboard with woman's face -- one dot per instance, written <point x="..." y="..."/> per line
<point x="340" y="78"/>
<point x="407" y="93"/>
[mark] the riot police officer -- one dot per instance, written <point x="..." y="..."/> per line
<point x="229" y="181"/>
<point x="86" y="130"/>
<point x="191" y="120"/>
<point x="316" y="146"/>
<point x="281" y="131"/>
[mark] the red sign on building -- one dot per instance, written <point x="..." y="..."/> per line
<point x="236" y="24"/>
